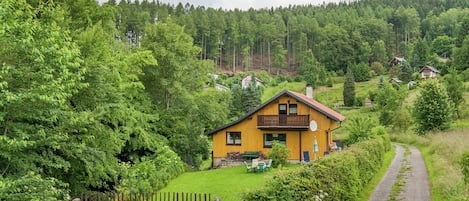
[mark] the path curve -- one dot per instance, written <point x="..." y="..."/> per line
<point x="417" y="187"/>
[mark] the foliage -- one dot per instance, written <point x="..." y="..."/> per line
<point x="432" y="109"/>
<point x="377" y="68"/>
<point x="152" y="173"/>
<point x="443" y="45"/>
<point x="314" y="72"/>
<point x="349" y="88"/>
<point x="359" y="129"/>
<point x="251" y="96"/>
<point x="341" y="175"/>
<point x="455" y="87"/>
<point x="33" y="186"/>
<point x="279" y="154"/>
<point x="405" y="72"/>
<point x="388" y="101"/>
<point x="460" y="56"/>
<point x="465" y="166"/>
<point x="361" y="72"/>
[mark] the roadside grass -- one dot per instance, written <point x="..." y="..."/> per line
<point x="225" y="183"/>
<point x="368" y="190"/>
<point x="442" y="152"/>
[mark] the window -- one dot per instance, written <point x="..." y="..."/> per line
<point x="233" y="138"/>
<point x="270" y="137"/>
<point x="293" y="109"/>
<point x="282" y="109"/>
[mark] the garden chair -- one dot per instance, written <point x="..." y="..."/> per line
<point x="248" y="167"/>
<point x="268" y="165"/>
<point x="260" y="167"/>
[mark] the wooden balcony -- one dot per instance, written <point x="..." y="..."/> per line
<point x="299" y="122"/>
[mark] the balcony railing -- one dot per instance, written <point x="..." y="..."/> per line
<point x="283" y="121"/>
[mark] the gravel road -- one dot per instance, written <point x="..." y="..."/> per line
<point x="416" y="188"/>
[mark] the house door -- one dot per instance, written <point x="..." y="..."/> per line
<point x="282" y="114"/>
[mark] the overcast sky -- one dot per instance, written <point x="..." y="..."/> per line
<point x="246" y="4"/>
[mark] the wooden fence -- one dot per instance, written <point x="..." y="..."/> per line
<point x="159" y="196"/>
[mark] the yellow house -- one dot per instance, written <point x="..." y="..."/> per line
<point x="291" y="118"/>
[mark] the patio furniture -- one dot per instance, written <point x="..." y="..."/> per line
<point x="268" y="165"/>
<point x="248" y="167"/>
<point x="260" y="167"/>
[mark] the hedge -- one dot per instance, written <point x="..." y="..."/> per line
<point x="340" y="176"/>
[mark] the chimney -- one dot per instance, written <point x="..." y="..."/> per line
<point x="309" y="92"/>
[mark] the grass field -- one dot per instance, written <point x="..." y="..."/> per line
<point x="226" y="183"/>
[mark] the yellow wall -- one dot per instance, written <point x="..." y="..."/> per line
<point x="252" y="138"/>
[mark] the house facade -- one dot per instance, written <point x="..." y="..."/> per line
<point x="291" y="118"/>
<point x="428" y="72"/>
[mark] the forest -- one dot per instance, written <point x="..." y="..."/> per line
<point x="118" y="96"/>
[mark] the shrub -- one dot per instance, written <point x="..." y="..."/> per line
<point x="465" y="166"/>
<point x="33" y="186"/>
<point x="151" y="173"/>
<point x="359" y="129"/>
<point x="340" y="176"/>
<point x="432" y="109"/>
<point x="279" y="154"/>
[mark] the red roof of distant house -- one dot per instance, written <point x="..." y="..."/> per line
<point x="429" y="68"/>
<point x="298" y="96"/>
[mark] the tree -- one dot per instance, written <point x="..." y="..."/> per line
<point x="361" y="72"/>
<point x="461" y="56"/>
<point x="442" y="46"/>
<point x="349" y="88"/>
<point x="432" y="109"/>
<point x="251" y="96"/>
<point x="313" y="72"/>
<point x="389" y="101"/>
<point x="41" y="71"/>
<point x="454" y="87"/>
<point x="420" y="54"/>
<point x="405" y="72"/>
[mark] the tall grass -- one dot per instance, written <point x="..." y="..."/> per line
<point x="442" y="152"/>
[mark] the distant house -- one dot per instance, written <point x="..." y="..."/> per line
<point x="291" y="118"/>
<point x="395" y="80"/>
<point x="397" y="60"/>
<point x="246" y="80"/>
<point x="428" y="72"/>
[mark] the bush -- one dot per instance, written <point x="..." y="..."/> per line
<point x="279" y="154"/>
<point x="465" y="166"/>
<point x="340" y="176"/>
<point x="33" y="186"/>
<point x="151" y="173"/>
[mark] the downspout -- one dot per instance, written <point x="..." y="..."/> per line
<point x="301" y="153"/>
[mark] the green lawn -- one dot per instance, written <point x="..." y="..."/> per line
<point x="226" y="183"/>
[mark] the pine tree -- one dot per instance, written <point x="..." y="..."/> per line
<point x="349" y="88"/>
<point x="251" y="96"/>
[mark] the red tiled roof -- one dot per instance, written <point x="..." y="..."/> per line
<point x="318" y="106"/>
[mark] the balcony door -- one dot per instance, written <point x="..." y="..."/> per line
<point x="282" y="114"/>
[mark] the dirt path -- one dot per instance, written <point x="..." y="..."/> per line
<point x="416" y="185"/>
